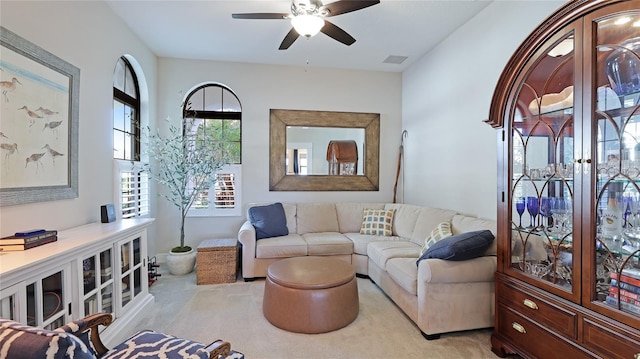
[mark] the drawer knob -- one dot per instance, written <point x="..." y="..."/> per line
<point x="518" y="327"/>
<point x="636" y="356"/>
<point x="531" y="304"/>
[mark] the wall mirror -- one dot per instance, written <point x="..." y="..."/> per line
<point x="309" y="133"/>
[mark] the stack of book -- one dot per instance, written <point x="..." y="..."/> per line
<point x="625" y="288"/>
<point x="28" y="239"/>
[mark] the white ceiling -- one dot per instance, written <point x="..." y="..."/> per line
<point x="205" y="30"/>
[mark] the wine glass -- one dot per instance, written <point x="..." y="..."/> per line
<point x="560" y="211"/>
<point x="545" y="209"/>
<point x="520" y="206"/>
<point x="532" y="208"/>
<point x="557" y="209"/>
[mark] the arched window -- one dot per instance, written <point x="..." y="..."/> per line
<point x="218" y="116"/>
<point x="126" y="112"/>
<point x="133" y="185"/>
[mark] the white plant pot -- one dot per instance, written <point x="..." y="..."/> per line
<point x="181" y="263"/>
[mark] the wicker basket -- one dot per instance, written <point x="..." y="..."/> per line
<point x="217" y="261"/>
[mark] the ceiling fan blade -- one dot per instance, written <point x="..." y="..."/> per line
<point x="262" y="15"/>
<point x="337" y="33"/>
<point x="345" y="6"/>
<point x="291" y="37"/>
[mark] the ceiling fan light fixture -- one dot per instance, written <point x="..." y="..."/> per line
<point x="307" y="25"/>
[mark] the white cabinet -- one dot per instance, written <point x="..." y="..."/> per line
<point x="99" y="267"/>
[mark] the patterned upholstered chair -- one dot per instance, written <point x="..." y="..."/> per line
<point x="81" y="340"/>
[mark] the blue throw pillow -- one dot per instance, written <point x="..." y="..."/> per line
<point x="460" y="247"/>
<point x="269" y="221"/>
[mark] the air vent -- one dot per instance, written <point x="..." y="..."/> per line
<point x="393" y="59"/>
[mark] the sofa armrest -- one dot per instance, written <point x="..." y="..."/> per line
<point x="217" y="349"/>
<point x="247" y="237"/>
<point x="90" y="322"/>
<point x="480" y="269"/>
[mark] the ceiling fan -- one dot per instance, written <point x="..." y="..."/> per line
<point x="308" y="18"/>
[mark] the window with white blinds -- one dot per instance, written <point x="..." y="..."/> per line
<point x="218" y="116"/>
<point x="223" y="197"/>
<point x="225" y="190"/>
<point x="131" y="185"/>
<point x="134" y="192"/>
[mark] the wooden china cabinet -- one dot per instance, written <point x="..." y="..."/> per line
<point x="567" y="114"/>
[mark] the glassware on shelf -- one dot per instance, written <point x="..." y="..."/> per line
<point x="545" y="210"/>
<point x="532" y="208"/>
<point x="632" y="219"/>
<point x="520" y="206"/>
<point x="623" y="67"/>
<point x="539" y="269"/>
<point x="561" y="212"/>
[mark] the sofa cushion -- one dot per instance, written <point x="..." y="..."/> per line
<point x="327" y="243"/>
<point x="361" y="241"/>
<point x="377" y="222"/>
<point x="22" y="341"/>
<point x="403" y="271"/>
<point x="290" y="211"/>
<point x="405" y="219"/>
<point x="269" y="221"/>
<point x="442" y="230"/>
<point x="350" y="215"/>
<point x="381" y="252"/>
<point x="460" y="247"/>
<point x="291" y="245"/>
<point x="428" y="219"/>
<point x="317" y="217"/>
<point x="462" y="224"/>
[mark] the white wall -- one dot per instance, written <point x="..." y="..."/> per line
<point x="450" y="154"/>
<point x="264" y="87"/>
<point x="87" y="35"/>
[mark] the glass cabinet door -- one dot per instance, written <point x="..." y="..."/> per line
<point x="11" y="299"/>
<point x="46" y="301"/>
<point x="132" y="270"/>
<point x="542" y="168"/>
<point x="616" y="141"/>
<point x="97" y="283"/>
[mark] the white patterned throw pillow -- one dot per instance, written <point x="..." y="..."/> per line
<point x="377" y="222"/>
<point x="442" y="230"/>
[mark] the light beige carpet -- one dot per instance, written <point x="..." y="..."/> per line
<point x="233" y="312"/>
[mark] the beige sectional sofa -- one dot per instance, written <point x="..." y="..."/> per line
<point x="438" y="295"/>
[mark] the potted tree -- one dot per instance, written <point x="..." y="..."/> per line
<point x="184" y="162"/>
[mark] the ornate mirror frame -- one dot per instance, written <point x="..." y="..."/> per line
<point x="280" y="119"/>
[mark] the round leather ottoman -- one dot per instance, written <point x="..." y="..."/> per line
<point x="310" y="294"/>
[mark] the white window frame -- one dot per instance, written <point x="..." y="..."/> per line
<point x="236" y="169"/>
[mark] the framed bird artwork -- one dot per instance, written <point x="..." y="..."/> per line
<point x="38" y="123"/>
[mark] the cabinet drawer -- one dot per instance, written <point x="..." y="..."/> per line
<point x="532" y="339"/>
<point x="609" y="343"/>
<point x="543" y="312"/>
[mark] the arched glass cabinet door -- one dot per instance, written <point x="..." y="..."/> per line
<point x="615" y="118"/>
<point x="541" y="188"/>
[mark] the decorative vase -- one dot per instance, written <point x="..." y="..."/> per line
<point x="181" y="263"/>
<point x="623" y="67"/>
